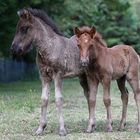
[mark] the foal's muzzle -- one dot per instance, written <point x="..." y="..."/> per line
<point x="15" y="49"/>
<point x="84" y="62"/>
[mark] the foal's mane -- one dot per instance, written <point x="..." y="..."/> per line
<point x="44" y="17"/>
<point x="98" y="37"/>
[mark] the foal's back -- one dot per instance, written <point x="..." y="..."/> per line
<point x="123" y="58"/>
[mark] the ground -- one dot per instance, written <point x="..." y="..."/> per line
<point x="20" y="110"/>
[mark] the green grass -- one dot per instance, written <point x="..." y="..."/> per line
<point x="20" y="110"/>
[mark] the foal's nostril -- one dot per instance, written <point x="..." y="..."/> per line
<point x="84" y="63"/>
<point x="13" y="47"/>
<point x="16" y="49"/>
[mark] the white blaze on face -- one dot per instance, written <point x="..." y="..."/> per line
<point x="86" y="40"/>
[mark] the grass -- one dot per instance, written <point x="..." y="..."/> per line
<point x="20" y="110"/>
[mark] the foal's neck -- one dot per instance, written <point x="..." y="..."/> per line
<point x="97" y="51"/>
<point x="44" y="37"/>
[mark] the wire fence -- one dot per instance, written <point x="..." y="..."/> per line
<point x="12" y="70"/>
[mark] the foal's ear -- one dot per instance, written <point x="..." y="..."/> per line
<point x="92" y="32"/>
<point x="25" y="14"/>
<point x="77" y="31"/>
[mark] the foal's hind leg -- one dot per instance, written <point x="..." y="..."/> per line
<point x="124" y="97"/>
<point x="58" y="101"/>
<point x="132" y="78"/>
<point x="44" y="98"/>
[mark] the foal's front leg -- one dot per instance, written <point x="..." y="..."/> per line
<point x="58" y="100"/>
<point x="107" y="102"/>
<point x="93" y="86"/>
<point x="44" y="106"/>
<point x="84" y="84"/>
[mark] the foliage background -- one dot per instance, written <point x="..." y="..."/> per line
<point x="117" y="20"/>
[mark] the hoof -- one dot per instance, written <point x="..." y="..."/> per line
<point x="62" y="132"/>
<point x="109" y="129"/>
<point x="122" y="127"/>
<point x="91" y="129"/>
<point x="39" y="131"/>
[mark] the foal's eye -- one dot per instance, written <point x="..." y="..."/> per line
<point x="24" y="29"/>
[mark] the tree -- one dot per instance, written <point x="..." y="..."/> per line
<point x="113" y="19"/>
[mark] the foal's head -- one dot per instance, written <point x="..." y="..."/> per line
<point x="85" y="37"/>
<point x="25" y="32"/>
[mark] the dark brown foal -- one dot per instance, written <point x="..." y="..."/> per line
<point x="104" y="64"/>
